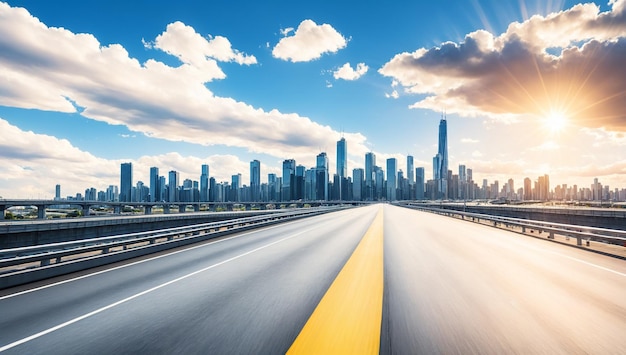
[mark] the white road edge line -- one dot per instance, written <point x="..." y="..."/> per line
<point x="142" y="261"/>
<point x="588" y="263"/>
<point x="72" y="321"/>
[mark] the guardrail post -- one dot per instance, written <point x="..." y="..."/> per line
<point x="579" y="240"/>
<point x="523" y="229"/>
<point x="45" y="262"/>
<point x="105" y="250"/>
<point x="551" y="236"/>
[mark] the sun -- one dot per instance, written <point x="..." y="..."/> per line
<point x="555" y="122"/>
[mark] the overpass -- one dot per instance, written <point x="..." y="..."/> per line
<point x="86" y="206"/>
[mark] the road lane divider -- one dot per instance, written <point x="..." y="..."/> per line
<point x="348" y="318"/>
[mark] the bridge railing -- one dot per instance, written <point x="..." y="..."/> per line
<point x="48" y="260"/>
<point x="581" y="233"/>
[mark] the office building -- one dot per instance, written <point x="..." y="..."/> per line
<point x="370" y="177"/>
<point x="289" y="173"/>
<point x="204" y="183"/>
<point x="126" y="182"/>
<point x="255" y="180"/>
<point x="440" y="161"/>
<point x="392" y="171"/>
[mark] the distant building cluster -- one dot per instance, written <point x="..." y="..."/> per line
<point x="374" y="183"/>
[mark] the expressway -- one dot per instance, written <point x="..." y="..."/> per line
<point x="366" y="280"/>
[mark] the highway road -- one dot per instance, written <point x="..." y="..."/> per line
<point x="367" y="280"/>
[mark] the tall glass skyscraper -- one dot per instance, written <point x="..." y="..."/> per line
<point x="155" y="190"/>
<point x="255" y="180"/>
<point x="289" y="173"/>
<point x="440" y="161"/>
<point x="342" y="158"/>
<point x="410" y="170"/>
<point x="321" y="177"/>
<point x="172" y="181"/>
<point x="370" y="177"/>
<point x="126" y="182"/>
<point x="204" y="183"/>
<point x="392" y="171"/>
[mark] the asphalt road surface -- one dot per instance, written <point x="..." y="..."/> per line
<point x="366" y="280"/>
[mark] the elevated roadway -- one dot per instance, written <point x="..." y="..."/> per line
<point x="385" y="279"/>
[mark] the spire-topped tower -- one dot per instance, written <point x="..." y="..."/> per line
<point x="440" y="161"/>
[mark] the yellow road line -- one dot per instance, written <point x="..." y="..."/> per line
<point x="348" y="318"/>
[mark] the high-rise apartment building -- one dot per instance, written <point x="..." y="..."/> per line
<point x="126" y="182"/>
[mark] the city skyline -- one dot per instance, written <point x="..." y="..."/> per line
<point x="299" y="183"/>
<point x="529" y="89"/>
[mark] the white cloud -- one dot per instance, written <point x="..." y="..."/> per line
<point x="546" y="146"/>
<point x="309" y="42"/>
<point x="54" y="69"/>
<point x="394" y="94"/>
<point x="347" y="73"/>
<point x="52" y="161"/>
<point x="469" y="140"/>
<point x="513" y="76"/>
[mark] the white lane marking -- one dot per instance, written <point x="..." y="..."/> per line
<point x="143" y="261"/>
<point x="528" y="246"/>
<point x="72" y="321"/>
<point x="587" y="263"/>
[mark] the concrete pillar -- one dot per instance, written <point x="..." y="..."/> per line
<point x="196" y="207"/>
<point x="117" y="209"/>
<point x="166" y="209"/>
<point x="248" y="206"/>
<point x="182" y="208"/>
<point x="2" y="209"/>
<point x="147" y="209"/>
<point x="41" y="211"/>
<point x="86" y="210"/>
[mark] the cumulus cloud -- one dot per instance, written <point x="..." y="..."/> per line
<point x="309" y="42"/>
<point x="54" y="69"/>
<point x="514" y="75"/>
<point x="347" y="73"/>
<point x="54" y="161"/>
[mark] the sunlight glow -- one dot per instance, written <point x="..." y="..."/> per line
<point x="556" y="121"/>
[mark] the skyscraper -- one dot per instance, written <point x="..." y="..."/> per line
<point x="155" y="190"/>
<point x="342" y="167"/>
<point x="126" y="182"/>
<point x="410" y="169"/>
<point x="342" y="158"/>
<point x="440" y="161"/>
<point x="357" y="184"/>
<point x="172" y="182"/>
<point x="419" y="183"/>
<point x="255" y="180"/>
<point x="321" y="177"/>
<point x="204" y="183"/>
<point x="370" y="177"/>
<point x="392" y="171"/>
<point x="289" y="172"/>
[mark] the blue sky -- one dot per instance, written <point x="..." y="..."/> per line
<point x="85" y="86"/>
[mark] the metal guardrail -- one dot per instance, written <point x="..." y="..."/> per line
<point x="581" y="233"/>
<point x="51" y="256"/>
